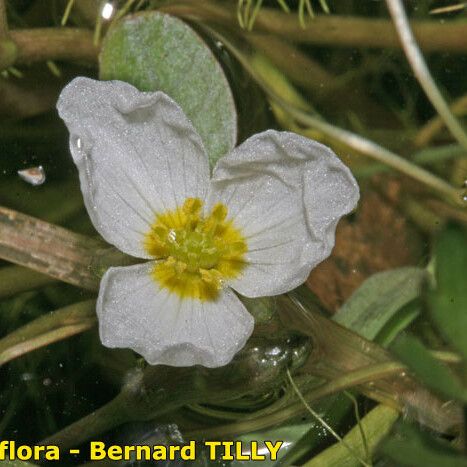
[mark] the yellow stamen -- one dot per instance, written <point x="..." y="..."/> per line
<point x="197" y="252"/>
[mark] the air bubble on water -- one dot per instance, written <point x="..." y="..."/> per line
<point x="107" y="11"/>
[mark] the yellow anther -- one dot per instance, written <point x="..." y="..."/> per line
<point x="211" y="276"/>
<point x="192" y="206"/>
<point x="160" y="231"/>
<point x="219" y="212"/>
<point x="235" y="248"/>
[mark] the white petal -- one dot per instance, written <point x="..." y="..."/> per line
<point x="134" y="312"/>
<point x="137" y="154"/>
<point x="286" y="193"/>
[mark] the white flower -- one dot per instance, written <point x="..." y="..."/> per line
<point x="258" y="226"/>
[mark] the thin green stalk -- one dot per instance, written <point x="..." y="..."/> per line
<point x="98" y="27"/>
<point x="54" y="69"/>
<point x="359" y="425"/>
<point x="423" y="157"/>
<point x="123" y="11"/>
<point x="323" y="422"/>
<point x="46" y="329"/>
<point x="376" y="423"/>
<point x="283" y="5"/>
<point x="421" y="71"/>
<point x="324" y="6"/>
<point x="240" y="14"/>
<point x="254" y="14"/>
<point x="67" y="12"/>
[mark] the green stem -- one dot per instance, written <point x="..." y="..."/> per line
<point x="55" y="251"/>
<point x="423" y="157"/>
<point x="52" y="327"/>
<point x="328" y="30"/>
<point x="42" y="44"/>
<point x="421" y="71"/>
<point x="67" y="12"/>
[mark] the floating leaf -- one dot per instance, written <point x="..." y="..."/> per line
<point x="154" y="51"/>
<point x="429" y="370"/>
<point x="448" y="303"/>
<point x="378" y="299"/>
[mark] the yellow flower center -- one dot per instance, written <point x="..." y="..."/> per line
<point x="198" y="252"/>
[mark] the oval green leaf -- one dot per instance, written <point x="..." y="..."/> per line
<point x="379" y="298"/>
<point x="157" y="52"/>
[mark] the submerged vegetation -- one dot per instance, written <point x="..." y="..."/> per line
<point x="366" y="363"/>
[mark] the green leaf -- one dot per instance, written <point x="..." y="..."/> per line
<point x="428" y="370"/>
<point x="154" y="52"/>
<point x="400" y="321"/>
<point x="448" y="303"/>
<point x="418" y="449"/>
<point x="379" y="298"/>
